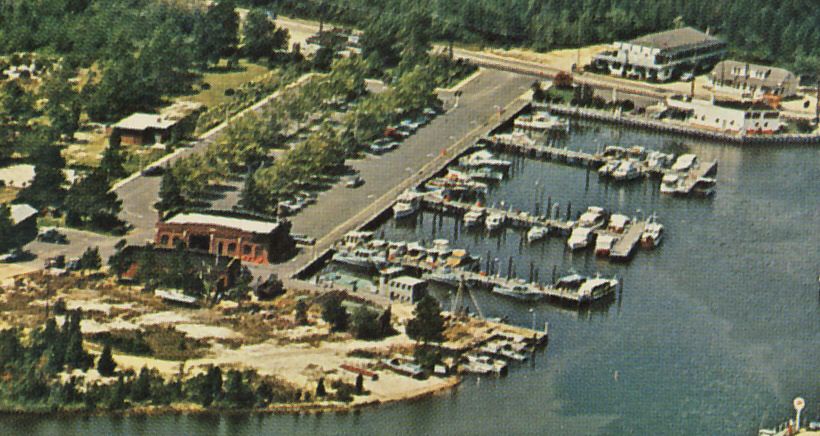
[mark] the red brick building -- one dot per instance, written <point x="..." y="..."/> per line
<point x="251" y="240"/>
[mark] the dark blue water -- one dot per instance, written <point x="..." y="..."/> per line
<point x="716" y="330"/>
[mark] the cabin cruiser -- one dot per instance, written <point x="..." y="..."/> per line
<point x="497" y="366"/>
<point x="580" y="238"/>
<point x="443" y="275"/>
<point x="453" y="185"/>
<point x="570" y="282"/>
<point x="604" y="244"/>
<point x="636" y="152"/>
<point x="362" y="258"/>
<point x="518" y="292"/>
<point x="474" y="216"/>
<point x="536" y="233"/>
<point x="652" y="234"/>
<point x="483" y="158"/>
<point x="618" y="223"/>
<point x="608" y="168"/>
<point x="704" y="186"/>
<point x="477" y="173"/>
<point x="627" y="170"/>
<point x="595" y="288"/>
<point x="593" y="218"/>
<point x="614" y="151"/>
<point x="657" y="161"/>
<point x="670" y="184"/>
<point x="540" y="121"/>
<point x="684" y="163"/>
<point x="494" y="221"/>
<point x="407" y="205"/>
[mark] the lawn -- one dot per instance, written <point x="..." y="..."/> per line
<point x="222" y="80"/>
<point x="8" y="194"/>
<point x="87" y="148"/>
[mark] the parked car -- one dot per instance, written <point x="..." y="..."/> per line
<point x="55" y="262"/>
<point x="73" y="264"/>
<point x="353" y="182"/>
<point x="14" y="255"/>
<point x="153" y="170"/>
<point x="52" y="236"/>
<point x="303" y="239"/>
<point x="431" y="111"/>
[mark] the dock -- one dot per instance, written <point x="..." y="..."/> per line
<point x="515" y="219"/>
<point x="624" y="248"/>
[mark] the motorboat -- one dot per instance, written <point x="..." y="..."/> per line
<point x="627" y="170"/>
<point x="497" y="366"/>
<point x="362" y="258"/>
<point x="494" y="221"/>
<point x="570" y="282"/>
<point x="540" y="121"/>
<point x="618" y="223"/>
<point x="485" y="159"/>
<point x="652" y="234"/>
<point x="580" y="238"/>
<point x="636" y="152"/>
<point x="608" y="168"/>
<point x="518" y="292"/>
<point x="593" y="218"/>
<point x="704" y="186"/>
<point x="669" y="184"/>
<point x="596" y="288"/>
<point x="614" y="151"/>
<point x="604" y="244"/>
<point x="478" y="173"/>
<point x="443" y="275"/>
<point x="684" y="163"/>
<point x="474" y="216"/>
<point x="537" y="233"/>
<point x="407" y="205"/>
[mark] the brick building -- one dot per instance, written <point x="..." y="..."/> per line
<point x="251" y="240"/>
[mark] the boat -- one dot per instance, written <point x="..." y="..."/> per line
<point x="474" y="216"/>
<point x="483" y="158"/>
<point x="518" y="292"/>
<point x="704" y="186"/>
<point x="593" y="218"/>
<point x="614" y="151"/>
<point x="608" y="168"/>
<point x="652" y="234"/>
<point x="627" y="170"/>
<point x="453" y="185"/>
<point x="604" y="243"/>
<point x="684" y="163"/>
<point x="540" y="121"/>
<point x="494" y="221"/>
<point x="363" y="258"/>
<point x="636" y="152"/>
<point x="477" y="173"/>
<point x="618" y="223"/>
<point x="580" y="238"/>
<point x="670" y="184"/>
<point x="407" y="205"/>
<point x="443" y="275"/>
<point x="595" y="288"/>
<point x="496" y="366"/>
<point x="536" y="233"/>
<point x="570" y="282"/>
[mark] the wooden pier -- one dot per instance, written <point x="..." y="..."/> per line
<point x="624" y="248"/>
<point x="515" y="219"/>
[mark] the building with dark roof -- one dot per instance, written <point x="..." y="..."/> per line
<point x="227" y="234"/>
<point x="752" y="82"/>
<point x="663" y="56"/>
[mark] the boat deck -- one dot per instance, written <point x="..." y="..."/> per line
<point x="624" y="248"/>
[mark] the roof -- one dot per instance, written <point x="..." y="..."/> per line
<point x="407" y="280"/>
<point x="773" y="76"/>
<point x="248" y="225"/>
<point x="143" y="121"/>
<point x="21" y="212"/>
<point x="675" y="38"/>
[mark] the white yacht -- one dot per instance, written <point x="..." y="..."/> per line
<point x="669" y="184"/>
<point x="652" y="234"/>
<point x="474" y="216"/>
<point x="483" y="158"/>
<point x="519" y="292"/>
<point x="608" y="168"/>
<point x="537" y="233"/>
<point x="494" y="221"/>
<point x="684" y="163"/>
<point x="618" y="223"/>
<point x="594" y="217"/>
<point x="604" y="243"/>
<point x="596" y="288"/>
<point x="407" y="205"/>
<point x="580" y="238"/>
<point x="627" y="170"/>
<point x="704" y="186"/>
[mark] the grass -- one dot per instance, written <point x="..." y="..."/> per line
<point x="222" y="80"/>
<point x="8" y="194"/>
<point x="87" y="149"/>
<point x="139" y="158"/>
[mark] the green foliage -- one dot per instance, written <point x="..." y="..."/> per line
<point x="260" y="37"/>
<point x="427" y="356"/>
<point x="90" y="203"/>
<point x="320" y="388"/>
<point x="216" y="33"/>
<point x="47" y="187"/>
<point x="427" y="324"/>
<point x="15" y="103"/>
<point x="365" y="324"/>
<point x="301" y="315"/>
<point x="8" y="235"/>
<point x="170" y="194"/>
<point x="62" y="102"/>
<point x="106" y="364"/>
<point x="141" y="389"/>
<point x="359" y="384"/>
<point x="90" y="260"/>
<point x="238" y="393"/>
<point x="335" y="314"/>
<point x="112" y="164"/>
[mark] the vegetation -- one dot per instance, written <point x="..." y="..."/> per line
<point x="427" y="324"/>
<point x="335" y="314"/>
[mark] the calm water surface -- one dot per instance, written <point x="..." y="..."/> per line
<point x="716" y="330"/>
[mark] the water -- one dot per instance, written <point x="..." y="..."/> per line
<point x="716" y="330"/>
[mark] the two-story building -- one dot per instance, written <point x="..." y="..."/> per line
<point x="746" y="118"/>
<point x="662" y="56"/>
<point x="747" y="81"/>
<point x="249" y="239"/>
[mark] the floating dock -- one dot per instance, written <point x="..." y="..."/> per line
<point x="515" y="219"/>
<point x="624" y="248"/>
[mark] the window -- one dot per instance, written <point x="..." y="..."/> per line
<point x="703" y="117"/>
<point x="732" y="123"/>
<point x="258" y="251"/>
<point x="232" y="248"/>
<point x="766" y="124"/>
<point x="246" y="249"/>
<point x="175" y="241"/>
<point x="163" y="240"/>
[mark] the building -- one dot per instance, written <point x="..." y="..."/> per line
<point x="230" y="235"/>
<point x="406" y="288"/>
<point x="662" y="56"/>
<point x="729" y="116"/>
<point x="752" y="82"/>
<point x="175" y="122"/>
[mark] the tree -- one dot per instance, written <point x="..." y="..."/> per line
<point x="106" y="364"/>
<point x="90" y="202"/>
<point x="261" y="38"/>
<point x="335" y="314"/>
<point x="427" y="324"/>
<point x="117" y="394"/>
<point x="62" y="102"/>
<point x="365" y="324"/>
<point x="141" y="389"/>
<point x="216" y="33"/>
<point x="320" y="388"/>
<point x="113" y="159"/>
<point x="271" y="288"/>
<point x="301" y="315"/>
<point x="8" y="235"/>
<point x="237" y="391"/>
<point x="359" y="384"/>
<point x="170" y="194"/>
<point x="15" y="103"/>
<point x="210" y="387"/>
<point x="47" y="187"/>
<point x="90" y="260"/>
<point x="117" y="263"/>
<point x="385" y="326"/>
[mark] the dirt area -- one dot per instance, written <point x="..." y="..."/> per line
<point x="8" y="194"/>
<point x="562" y="59"/>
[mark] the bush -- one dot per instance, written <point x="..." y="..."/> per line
<point x="230" y="92"/>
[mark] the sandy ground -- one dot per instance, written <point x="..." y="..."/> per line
<point x="561" y="59"/>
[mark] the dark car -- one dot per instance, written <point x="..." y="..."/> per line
<point x="153" y="170"/>
<point x="52" y="236"/>
<point x="15" y="255"/>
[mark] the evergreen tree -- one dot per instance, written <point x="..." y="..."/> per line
<point x="251" y="198"/>
<point x="8" y="234"/>
<point x="385" y="326"/>
<point x="320" y="388"/>
<point x="117" y="263"/>
<point x="427" y="324"/>
<point x="216" y="32"/>
<point x="365" y="324"/>
<point x="62" y="102"/>
<point x="237" y="392"/>
<point x="170" y="194"/>
<point x="260" y="37"/>
<point x="117" y="395"/>
<point x="90" y="202"/>
<point x="359" y="384"/>
<point x="301" y="315"/>
<point x="106" y="364"/>
<point x="113" y="159"/>
<point x="141" y="389"/>
<point x="47" y="187"/>
<point x="90" y="260"/>
<point x="335" y="314"/>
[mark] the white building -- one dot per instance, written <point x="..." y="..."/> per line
<point x="731" y="117"/>
<point x="751" y="82"/>
<point x="406" y="288"/>
<point x="663" y="56"/>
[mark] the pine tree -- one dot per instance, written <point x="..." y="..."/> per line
<point x="90" y="260"/>
<point x="384" y="322"/>
<point x="170" y="194"/>
<point x="117" y="393"/>
<point x="301" y="313"/>
<point x="141" y="389"/>
<point x="335" y="314"/>
<point x="106" y="364"/>
<point x="320" y="388"/>
<point x="427" y="325"/>
<point x="359" y="384"/>
<point x="8" y="235"/>
<point x="113" y="159"/>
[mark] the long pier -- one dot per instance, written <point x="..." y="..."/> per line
<point x="515" y="219"/>
<point x="624" y="248"/>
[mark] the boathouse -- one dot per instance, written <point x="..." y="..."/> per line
<point x="232" y="235"/>
<point x="662" y="56"/>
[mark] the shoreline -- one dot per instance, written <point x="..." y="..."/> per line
<point x="447" y="385"/>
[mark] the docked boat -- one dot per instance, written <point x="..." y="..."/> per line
<point x="670" y="184"/>
<point x="478" y="173"/>
<point x="684" y="163"/>
<point x="518" y="292"/>
<point x="617" y="223"/>
<point x="604" y="244"/>
<point x="361" y="258"/>
<point x="496" y="366"/>
<point x="540" y="122"/>
<point x="627" y="170"/>
<point x="444" y="276"/>
<point x="580" y="238"/>
<point x="537" y="233"/>
<point x="596" y="288"/>
<point x="594" y="217"/>
<point x="652" y="234"/>
<point x="494" y="221"/>
<point x="614" y="151"/>
<point x="452" y="185"/>
<point x="608" y="168"/>
<point x="484" y="159"/>
<point x="704" y="186"/>
<point x="407" y="205"/>
<point x="571" y="282"/>
<point x="474" y="216"/>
